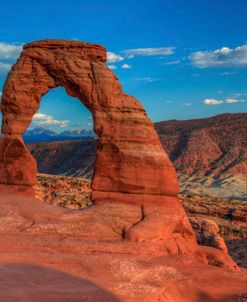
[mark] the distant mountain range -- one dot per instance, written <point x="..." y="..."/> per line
<point x="41" y="134"/>
<point x="207" y="153"/>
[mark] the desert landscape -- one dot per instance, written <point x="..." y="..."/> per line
<point x="123" y="151"/>
<point x="209" y="154"/>
<point x="127" y="234"/>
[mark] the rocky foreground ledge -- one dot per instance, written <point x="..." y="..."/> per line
<point x="51" y="253"/>
<point x="217" y="222"/>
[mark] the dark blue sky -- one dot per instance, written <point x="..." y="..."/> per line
<point x="192" y="62"/>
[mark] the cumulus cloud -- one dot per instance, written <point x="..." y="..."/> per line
<point x="126" y="66"/>
<point x="8" y="54"/>
<point x="49" y="120"/>
<point x="219" y="102"/>
<point x="212" y="102"/>
<point x="223" y="57"/>
<point x="4" y="67"/>
<point x="9" y="51"/>
<point x="163" y="51"/>
<point x="111" y="66"/>
<point x="113" y="57"/>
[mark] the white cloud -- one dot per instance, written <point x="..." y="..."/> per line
<point x="111" y="66"/>
<point x="146" y="79"/>
<point x="187" y="104"/>
<point x="164" y="51"/>
<point x="9" y="51"/>
<point x="223" y="57"/>
<point x="48" y="120"/>
<point x="212" y="102"/>
<point x="232" y="101"/>
<point x="219" y="102"/>
<point x="8" y="54"/>
<point x="4" y="67"/>
<point x="173" y="62"/>
<point x="113" y="57"/>
<point x="227" y="73"/>
<point x="126" y="66"/>
<point x="239" y="94"/>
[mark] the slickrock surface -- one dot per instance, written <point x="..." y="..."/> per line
<point x="49" y="253"/>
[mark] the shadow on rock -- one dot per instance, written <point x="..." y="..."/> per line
<point x="32" y="283"/>
<point x="237" y="250"/>
<point x="233" y="298"/>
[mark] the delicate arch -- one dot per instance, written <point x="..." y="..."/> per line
<point x="130" y="157"/>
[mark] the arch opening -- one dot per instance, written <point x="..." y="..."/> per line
<point x="63" y="143"/>
<point x="61" y="136"/>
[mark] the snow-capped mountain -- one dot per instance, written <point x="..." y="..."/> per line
<point x="41" y="134"/>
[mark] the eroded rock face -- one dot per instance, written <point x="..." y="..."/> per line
<point x="208" y="233"/>
<point x="129" y="157"/>
<point x="17" y="166"/>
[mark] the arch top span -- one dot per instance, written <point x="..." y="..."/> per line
<point x="130" y="157"/>
<point x="90" y="51"/>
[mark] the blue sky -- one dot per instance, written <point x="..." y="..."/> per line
<point x="181" y="59"/>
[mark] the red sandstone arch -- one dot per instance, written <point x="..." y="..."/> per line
<point x="131" y="165"/>
<point x="130" y="157"/>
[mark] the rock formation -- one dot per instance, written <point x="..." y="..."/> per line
<point x="128" y="144"/>
<point x="134" y="185"/>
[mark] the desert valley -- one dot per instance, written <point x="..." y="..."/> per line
<point x="209" y="154"/>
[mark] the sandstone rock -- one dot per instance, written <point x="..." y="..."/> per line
<point x="208" y="233"/>
<point x="53" y="254"/>
<point x="17" y="166"/>
<point x="128" y="144"/>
